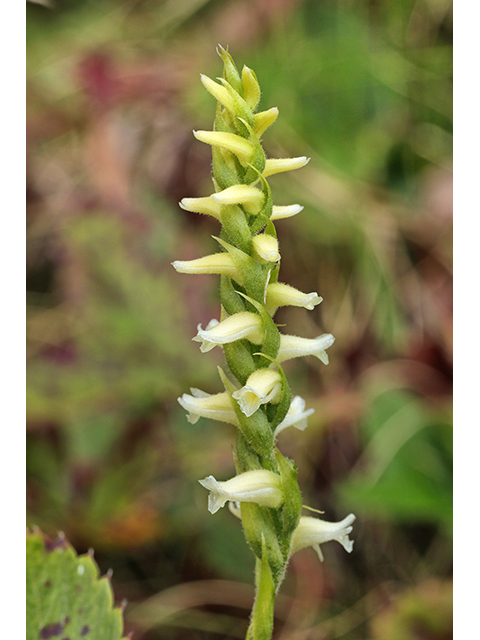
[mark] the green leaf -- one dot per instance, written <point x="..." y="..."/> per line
<point x="65" y="596"/>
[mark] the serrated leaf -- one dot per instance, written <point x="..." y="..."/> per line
<point x="65" y="596"/>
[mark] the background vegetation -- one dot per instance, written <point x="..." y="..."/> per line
<point x="364" y="89"/>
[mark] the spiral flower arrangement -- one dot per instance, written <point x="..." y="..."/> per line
<point x="256" y="399"/>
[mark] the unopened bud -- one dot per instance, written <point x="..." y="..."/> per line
<point x="251" y="88"/>
<point x="278" y="165"/>
<point x="229" y="141"/>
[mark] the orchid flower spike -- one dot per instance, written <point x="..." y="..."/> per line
<point x="265" y="493"/>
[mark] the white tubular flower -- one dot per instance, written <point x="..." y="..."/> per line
<point x="250" y="197"/>
<point x="278" y="165"/>
<point x="296" y="416"/>
<point x="241" y="325"/>
<point x="280" y="212"/>
<point x="312" y="532"/>
<point x="208" y="206"/>
<point x="281" y="295"/>
<point x="229" y="141"/>
<point x="218" y="406"/>
<point x="217" y="263"/>
<point x="262" y="487"/>
<point x="295" y="347"/>
<point x="263" y="385"/>
<point x="265" y="248"/>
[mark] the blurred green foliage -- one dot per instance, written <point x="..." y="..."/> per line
<point x="408" y="475"/>
<point x="364" y="89"/>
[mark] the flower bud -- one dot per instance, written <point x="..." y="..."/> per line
<point x="295" y="347"/>
<point x="251" y="88"/>
<point x="208" y="206"/>
<point x="280" y="212"/>
<point x="260" y="486"/>
<point x="265" y="248"/>
<point x="263" y="386"/>
<point x="263" y="120"/>
<point x="229" y="141"/>
<point x="278" y="165"/>
<point x="218" y="92"/>
<point x="250" y="197"/>
<point x="237" y="327"/>
<point x="217" y="263"/>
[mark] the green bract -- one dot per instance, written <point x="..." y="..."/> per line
<point x="264" y="493"/>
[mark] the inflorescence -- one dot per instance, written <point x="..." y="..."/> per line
<point x="264" y="493"/>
